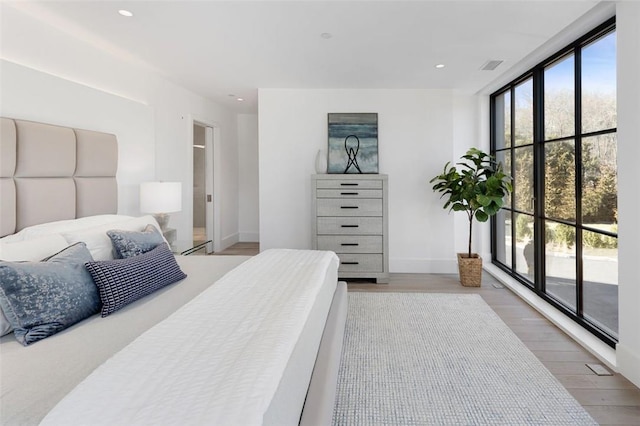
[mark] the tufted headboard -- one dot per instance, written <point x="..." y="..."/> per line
<point x="50" y="173"/>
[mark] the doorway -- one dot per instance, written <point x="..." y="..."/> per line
<point x="199" y="184"/>
<point x="205" y="212"/>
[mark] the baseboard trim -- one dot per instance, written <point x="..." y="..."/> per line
<point x="423" y="266"/>
<point x="591" y="343"/>
<point x="227" y="242"/>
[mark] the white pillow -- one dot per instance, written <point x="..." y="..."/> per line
<point x="61" y="226"/>
<point x="97" y="240"/>
<point x="32" y="250"/>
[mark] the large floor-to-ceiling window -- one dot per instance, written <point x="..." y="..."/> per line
<point x="554" y="129"/>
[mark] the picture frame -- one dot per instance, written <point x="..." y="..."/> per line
<point x="353" y="143"/>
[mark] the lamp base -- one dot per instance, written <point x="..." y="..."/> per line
<point x="163" y="220"/>
<point x="169" y="234"/>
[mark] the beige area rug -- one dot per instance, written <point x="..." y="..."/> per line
<point x="442" y="359"/>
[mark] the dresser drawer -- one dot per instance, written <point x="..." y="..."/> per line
<point x="360" y="262"/>
<point x="349" y="193"/>
<point x="351" y="243"/>
<point x="350" y="225"/>
<point x="349" y="184"/>
<point x="349" y="207"/>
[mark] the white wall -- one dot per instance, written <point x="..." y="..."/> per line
<point x="628" y="34"/>
<point x="249" y="218"/>
<point x="416" y="134"/>
<point x="468" y="131"/>
<point x="45" y="44"/>
<point x="33" y="95"/>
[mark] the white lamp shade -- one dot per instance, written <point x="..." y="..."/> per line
<point x="160" y="197"/>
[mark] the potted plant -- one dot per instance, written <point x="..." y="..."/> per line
<point x="477" y="186"/>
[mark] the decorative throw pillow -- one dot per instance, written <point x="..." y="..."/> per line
<point x="27" y="250"/>
<point x="131" y="243"/>
<point x="41" y="298"/>
<point x="123" y="281"/>
<point x="5" y="325"/>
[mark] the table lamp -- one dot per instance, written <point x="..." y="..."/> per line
<point x="160" y="199"/>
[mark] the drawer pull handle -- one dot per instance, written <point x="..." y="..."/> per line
<point x="348" y="184"/>
<point x="350" y="244"/>
<point x="349" y="193"/>
<point x="349" y="226"/>
<point x="348" y="207"/>
<point x="350" y="263"/>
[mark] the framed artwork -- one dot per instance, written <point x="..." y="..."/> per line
<point x="353" y="143"/>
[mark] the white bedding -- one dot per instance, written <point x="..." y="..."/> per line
<point x="34" y="379"/>
<point x="217" y="360"/>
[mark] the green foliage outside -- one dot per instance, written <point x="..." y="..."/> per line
<point x="595" y="240"/>
<point x="524" y="228"/>
<point x="564" y="235"/>
<point x="598" y="161"/>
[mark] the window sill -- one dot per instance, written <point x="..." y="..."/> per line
<point x="591" y="343"/>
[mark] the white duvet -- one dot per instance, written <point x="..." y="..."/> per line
<point x="218" y="360"/>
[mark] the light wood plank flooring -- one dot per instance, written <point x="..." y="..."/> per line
<point x="240" y="249"/>
<point x="611" y="400"/>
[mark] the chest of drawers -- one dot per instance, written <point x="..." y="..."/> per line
<point x="350" y="218"/>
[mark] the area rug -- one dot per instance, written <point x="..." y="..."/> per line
<point x="442" y="359"/>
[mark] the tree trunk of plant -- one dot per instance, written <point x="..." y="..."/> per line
<point x="470" y="229"/>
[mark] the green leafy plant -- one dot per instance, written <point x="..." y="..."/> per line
<point x="477" y="186"/>
<point x="524" y="227"/>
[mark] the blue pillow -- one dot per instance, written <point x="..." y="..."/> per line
<point x="41" y="298"/>
<point x="132" y="243"/>
<point x="123" y="281"/>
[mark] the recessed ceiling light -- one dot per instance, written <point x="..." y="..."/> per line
<point x="125" y="12"/>
<point x="326" y="35"/>
<point x="440" y="66"/>
<point x="240" y="99"/>
<point x="231" y="95"/>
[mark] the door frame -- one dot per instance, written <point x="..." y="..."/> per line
<point x="212" y="178"/>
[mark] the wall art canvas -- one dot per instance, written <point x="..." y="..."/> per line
<point x="353" y="143"/>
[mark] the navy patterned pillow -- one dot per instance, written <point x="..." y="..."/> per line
<point x="41" y="298"/>
<point x="123" y="281"/>
<point x="132" y="243"/>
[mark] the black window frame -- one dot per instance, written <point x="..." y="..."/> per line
<point x="536" y="73"/>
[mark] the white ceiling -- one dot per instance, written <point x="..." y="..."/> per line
<point x="218" y="48"/>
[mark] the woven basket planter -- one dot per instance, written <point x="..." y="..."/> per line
<point x="470" y="269"/>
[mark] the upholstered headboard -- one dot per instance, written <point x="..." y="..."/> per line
<point x="50" y="173"/>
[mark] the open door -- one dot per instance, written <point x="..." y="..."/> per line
<point x="206" y="184"/>
<point x="199" y="184"/>
<point x="209" y="200"/>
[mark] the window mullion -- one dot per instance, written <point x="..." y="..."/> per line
<point x="512" y="143"/>
<point x="578" y="183"/>
<point x="538" y="179"/>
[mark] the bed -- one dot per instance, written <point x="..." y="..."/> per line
<point x="240" y="340"/>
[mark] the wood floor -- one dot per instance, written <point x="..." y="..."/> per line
<point x="611" y="400"/>
<point x="240" y="249"/>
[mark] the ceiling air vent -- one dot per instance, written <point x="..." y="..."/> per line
<point x="490" y="65"/>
